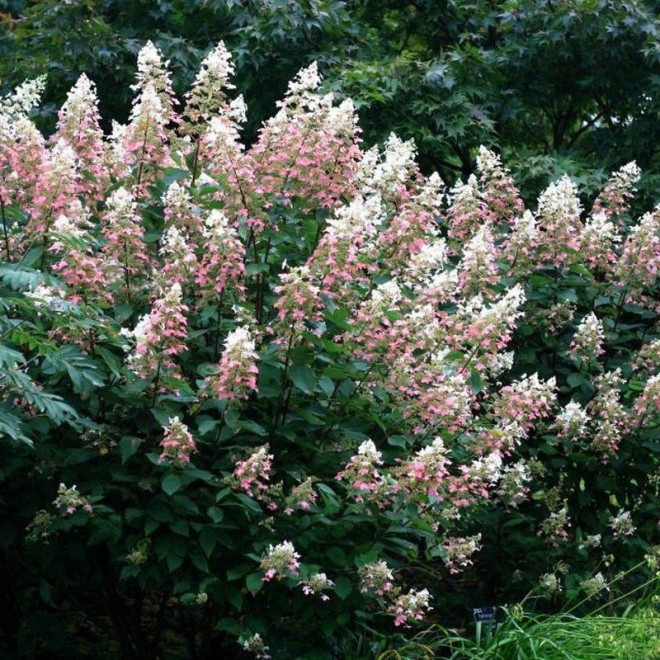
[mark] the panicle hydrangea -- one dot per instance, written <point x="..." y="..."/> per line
<point x="346" y="250"/>
<point x="46" y="296"/>
<point x="478" y="267"/>
<point x="317" y="583"/>
<point x="482" y="330"/>
<point x="23" y="161"/>
<point x="253" y="473"/>
<point x="407" y="231"/>
<point x="308" y="151"/>
<point x="23" y="99"/>
<point x="376" y="578"/>
<point x="410" y="607"/>
<point x="299" y="301"/>
<point x="613" y="200"/>
<point x="571" y="422"/>
<point x="178" y="256"/>
<point x="235" y="377"/>
<point x="179" y="210"/>
<point x="486" y="469"/>
<point x="500" y="194"/>
<point x="159" y="336"/>
<point x="587" y="343"/>
<point x="621" y="524"/>
<point x="255" y="644"/>
<point x="608" y="414"/>
<point x="647" y="403"/>
<point x="554" y="527"/>
<point x="281" y="561"/>
<point x="424" y="265"/>
<point x="145" y="139"/>
<point x="361" y="472"/>
<point x="598" y="241"/>
<point x="458" y="551"/>
<point x="152" y="72"/>
<point x="512" y="488"/>
<point x="117" y="160"/>
<point x="125" y="252"/>
<point x="177" y="443"/>
<point x="69" y="500"/>
<point x="425" y="472"/>
<point x="388" y="174"/>
<point x="300" y="89"/>
<point x="559" y="211"/>
<point x="302" y="497"/>
<point x="638" y="267"/>
<point x="559" y="315"/>
<point x="525" y="401"/>
<point x="221" y="264"/>
<point x="56" y="188"/>
<point x="207" y="96"/>
<point x="78" y="264"/>
<point x="648" y="357"/>
<point x="467" y="211"/>
<point x="440" y="400"/>
<point x="520" y="247"/>
<point x="79" y="125"/>
<point x="503" y="437"/>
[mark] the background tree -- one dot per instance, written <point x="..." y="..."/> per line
<point x="570" y="85"/>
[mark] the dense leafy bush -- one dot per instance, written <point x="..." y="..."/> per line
<point x="298" y="394"/>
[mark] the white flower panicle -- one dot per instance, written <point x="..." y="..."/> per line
<point x="560" y="200"/>
<point x="367" y="450"/>
<point x="23" y="99"/>
<point x="572" y="421"/>
<point x="239" y="344"/>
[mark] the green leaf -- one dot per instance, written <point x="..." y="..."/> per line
<point x="128" y="446"/>
<point x="254" y="582"/>
<point x="172" y="483"/>
<point x="343" y="587"/>
<point x="200" y="562"/>
<point x="303" y="378"/>
<point x="207" y="540"/>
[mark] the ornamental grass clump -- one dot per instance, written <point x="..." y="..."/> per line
<point x="297" y="368"/>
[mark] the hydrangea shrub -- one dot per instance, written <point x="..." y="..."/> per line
<point x="285" y="396"/>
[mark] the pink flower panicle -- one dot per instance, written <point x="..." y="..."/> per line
<point x="79" y="125"/>
<point x="125" y="251"/>
<point x="559" y="211"/>
<point x="361" y="472"/>
<point x="500" y="194"/>
<point x="525" y="401"/>
<point x="221" y="264"/>
<point x="376" y="578"/>
<point x="159" y="337"/>
<point x="411" y="607"/>
<point x="235" y="377"/>
<point x="177" y="443"/>
<point x="281" y="561"/>
<point x="253" y="473"/>
<point x="69" y="500"/>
